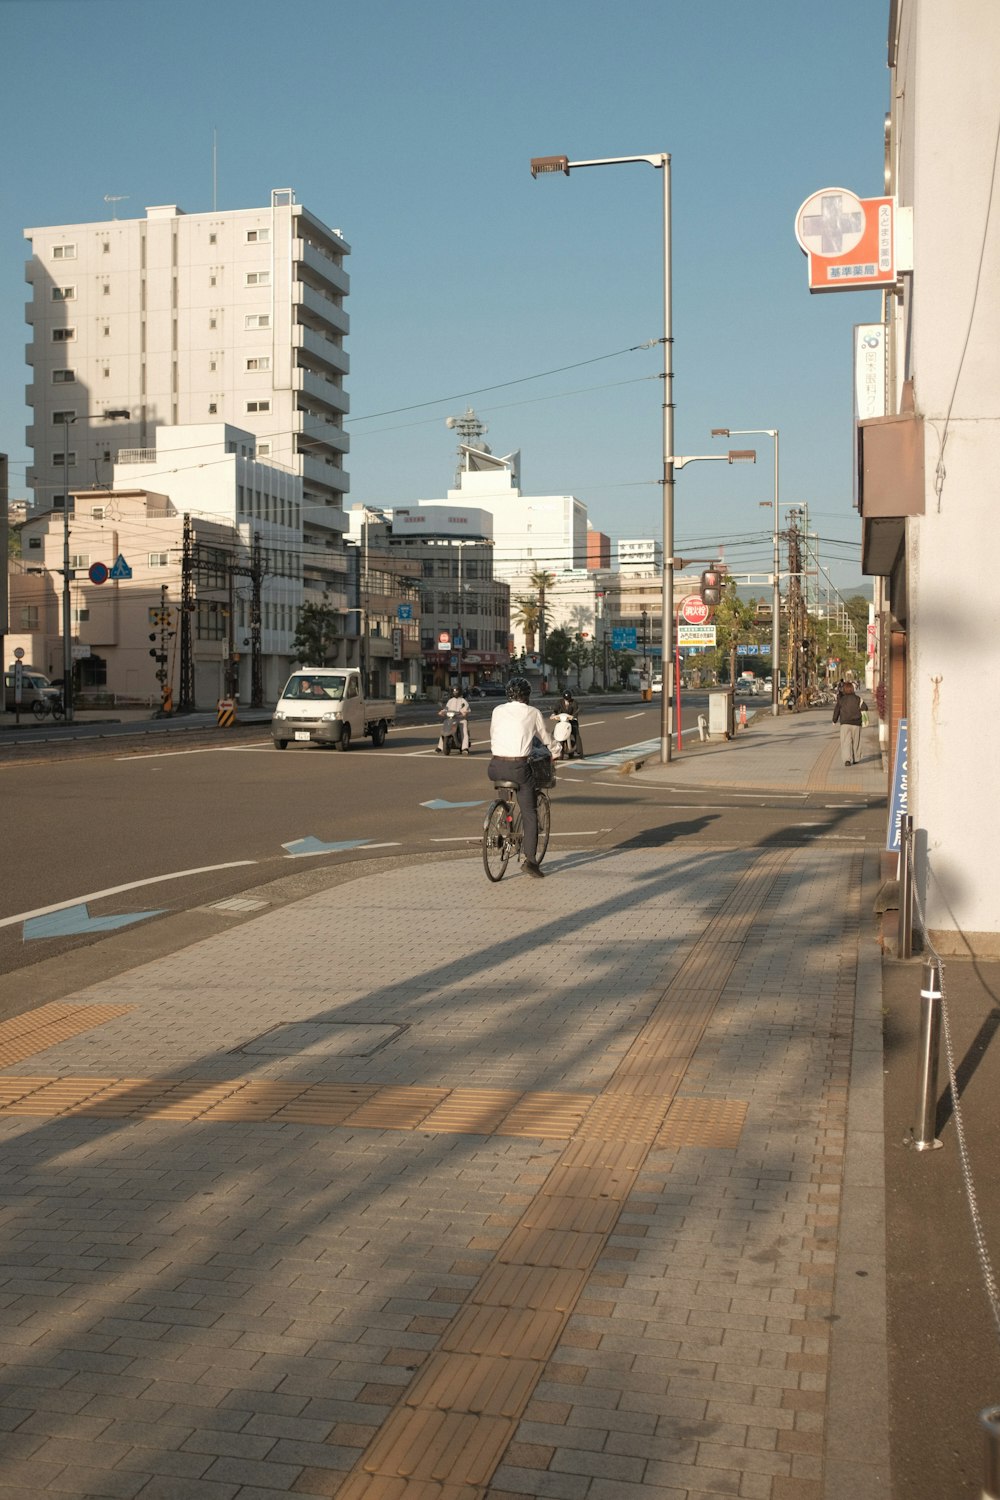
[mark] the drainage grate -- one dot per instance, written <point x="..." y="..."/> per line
<point x="322" y="1039"/>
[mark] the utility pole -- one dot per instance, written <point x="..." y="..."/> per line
<point x="256" y="663"/>
<point x="188" y="606"/>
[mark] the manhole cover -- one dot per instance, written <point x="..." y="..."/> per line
<point x="322" y="1039"/>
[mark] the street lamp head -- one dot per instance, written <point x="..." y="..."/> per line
<point x="542" y="164"/>
<point x="720" y="431"/>
<point x="742" y="455"/>
<point x="117" y="412"/>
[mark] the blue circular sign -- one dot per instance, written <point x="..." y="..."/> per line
<point x="97" y="573"/>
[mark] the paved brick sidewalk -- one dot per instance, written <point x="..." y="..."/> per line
<point x="499" y="1190"/>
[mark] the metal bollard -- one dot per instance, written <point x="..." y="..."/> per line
<point x="922" y="1136"/>
<point x="702" y="727"/>
<point x="904" y="932"/>
<point x="990" y="1419"/>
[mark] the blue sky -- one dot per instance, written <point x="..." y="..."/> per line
<point x="410" y="127"/>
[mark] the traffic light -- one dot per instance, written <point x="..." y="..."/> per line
<point x="711" y="587"/>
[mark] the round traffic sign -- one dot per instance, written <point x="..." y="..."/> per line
<point x="97" y="573"/>
<point x="693" y="611"/>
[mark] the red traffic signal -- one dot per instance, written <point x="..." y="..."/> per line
<point x="711" y="587"/>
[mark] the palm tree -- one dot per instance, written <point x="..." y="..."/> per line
<point x="541" y="579"/>
<point x="526" y="615"/>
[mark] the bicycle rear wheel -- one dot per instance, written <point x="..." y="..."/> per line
<point x="544" y="823"/>
<point x="496" y="841"/>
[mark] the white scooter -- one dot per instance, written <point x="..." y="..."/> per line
<point x="455" y="731"/>
<point x="564" y="737"/>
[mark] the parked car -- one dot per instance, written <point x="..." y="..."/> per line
<point x="488" y="690"/>
<point x="658" y="683"/>
<point x="35" y="688"/>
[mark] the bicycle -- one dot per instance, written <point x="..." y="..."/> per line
<point x="42" y="707"/>
<point x="503" y="832"/>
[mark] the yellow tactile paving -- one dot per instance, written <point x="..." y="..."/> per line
<point x="482" y="1384"/>
<point x="361" y="1486"/>
<point x="529" y="1286"/>
<point x="37" y="1030"/>
<point x="582" y="1215"/>
<point x="511" y="1332"/>
<point x="472" y="1111"/>
<point x="546" y="1115"/>
<point x="426" y="1443"/>
<point x="396" y="1108"/>
<point x="549" y="1247"/>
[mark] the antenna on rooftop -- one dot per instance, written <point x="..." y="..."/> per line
<point x="114" y="198"/>
<point x="471" y="430"/>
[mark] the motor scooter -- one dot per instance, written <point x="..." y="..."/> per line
<point x="564" y="736"/>
<point x="452" y="735"/>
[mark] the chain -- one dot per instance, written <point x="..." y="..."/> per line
<point x="978" y="1233"/>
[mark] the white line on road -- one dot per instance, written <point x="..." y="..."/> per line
<point x="116" y="890"/>
<point x="635" y="716"/>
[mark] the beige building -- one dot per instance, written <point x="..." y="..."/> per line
<point x="182" y="319"/>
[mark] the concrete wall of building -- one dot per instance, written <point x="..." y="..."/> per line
<point x="946" y="122"/>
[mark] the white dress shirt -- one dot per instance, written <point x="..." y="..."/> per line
<point x="513" y="726"/>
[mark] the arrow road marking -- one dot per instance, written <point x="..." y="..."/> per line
<point x="116" y="890"/>
<point x="76" y="919"/>
<point x="303" y="848"/>
<point x="439" y="805"/>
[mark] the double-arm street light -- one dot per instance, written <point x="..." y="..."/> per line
<point x="541" y="165"/>
<point x="69" y="418"/>
<point x="771" y="432"/>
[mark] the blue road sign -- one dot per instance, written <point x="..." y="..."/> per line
<point x="404" y="611"/>
<point x="120" y="569"/>
<point x="623" y="638"/>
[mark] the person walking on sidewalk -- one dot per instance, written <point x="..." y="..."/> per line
<point x="847" y="713"/>
<point x="514" y="727"/>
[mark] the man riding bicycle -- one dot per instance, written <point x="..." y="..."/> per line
<point x="514" y="727"/>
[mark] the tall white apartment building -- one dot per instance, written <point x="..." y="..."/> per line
<point x="530" y="532"/>
<point x="228" y="316"/>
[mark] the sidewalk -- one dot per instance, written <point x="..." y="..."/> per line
<point x="426" y="1189"/>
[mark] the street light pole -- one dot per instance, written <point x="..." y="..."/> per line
<point x="541" y="165"/>
<point x="67" y="622"/>
<point x="771" y="432"/>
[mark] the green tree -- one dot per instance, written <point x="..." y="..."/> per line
<point x="736" y="624"/>
<point x="558" y="648"/>
<point x="541" y="580"/>
<point x="580" y="655"/>
<point x="316" y="634"/>
<point x="526" y="616"/>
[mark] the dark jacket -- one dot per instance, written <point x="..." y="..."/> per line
<point x="848" y="707"/>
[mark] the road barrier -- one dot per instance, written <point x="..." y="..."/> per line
<point x="227" y="713"/>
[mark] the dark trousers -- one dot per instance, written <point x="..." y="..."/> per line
<point x="519" y="773"/>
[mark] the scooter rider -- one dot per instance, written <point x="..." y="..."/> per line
<point x="514" y="726"/>
<point x="568" y="705"/>
<point x="459" y="706"/>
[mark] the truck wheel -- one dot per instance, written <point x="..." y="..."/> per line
<point x="280" y="744"/>
<point x="378" y="734"/>
<point x="344" y="743"/>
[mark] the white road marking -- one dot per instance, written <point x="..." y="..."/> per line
<point x="635" y="716"/>
<point x="116" y="890"/>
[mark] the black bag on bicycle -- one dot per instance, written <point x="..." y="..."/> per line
<point x="542" y="768"/>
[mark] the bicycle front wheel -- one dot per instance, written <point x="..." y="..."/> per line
<point x="496" y="841"/>
<point x="544" y="824"/>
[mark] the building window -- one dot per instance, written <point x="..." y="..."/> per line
<point x="259" y="362"/>
<point x="213" y="322"/>
<point x="61" y="417"/>
<point x="81" y="616"/>
<point x="258" y="406"/>
<point x="63" y="377"/>
<point x="258" y="278"/>
<point x="34" y="544"/>
<point x="212" y="280"/>
<point x="64" y="252"/>
<point x="159" y="559"/>
<point x="79" y="559"/>
<point x="63" y="335"/>
<point x="63" y="459"/>
<point x="258" y="236"/>
<point x="105" y="247"/>
<point x="63" y="293"/>
<point x="106" y="288"/>
<point x="106" y="330"/>
<point x="29" y="617"/>
<point x="210" y="622"/>
<point x="213" y="364"/>
<point x="257" y="320"/>
<point x="97" y="512"/>
<point x="212" y="238"/>
<point x="213" y="407"/>
<point x="263" y="450"/>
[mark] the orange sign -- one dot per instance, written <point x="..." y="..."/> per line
<point x="849" y="242"/>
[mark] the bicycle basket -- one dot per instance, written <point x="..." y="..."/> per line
<point x="543" y="771"/>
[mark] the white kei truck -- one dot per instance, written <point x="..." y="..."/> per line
<point x="326" y="706"/>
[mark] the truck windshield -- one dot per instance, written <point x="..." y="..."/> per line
<point x="315" y="687"/>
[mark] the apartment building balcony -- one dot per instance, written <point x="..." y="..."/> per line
<point x="312" y="301"/>
<point x="316" y="428"/>
<point x="322" y="267"/>
<point x="324" y="390"/>
<point x="324" y="473"/>
<point x="321" y="350"/>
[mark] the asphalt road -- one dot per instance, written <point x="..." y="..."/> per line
<point x="105" y="839"/>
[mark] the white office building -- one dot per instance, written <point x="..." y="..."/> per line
<point x="640" y="557"/>
<point x="234" y="317"/>
<point x="530" y="532"/>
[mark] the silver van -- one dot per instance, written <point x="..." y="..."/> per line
<point x="35" y="689"/>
